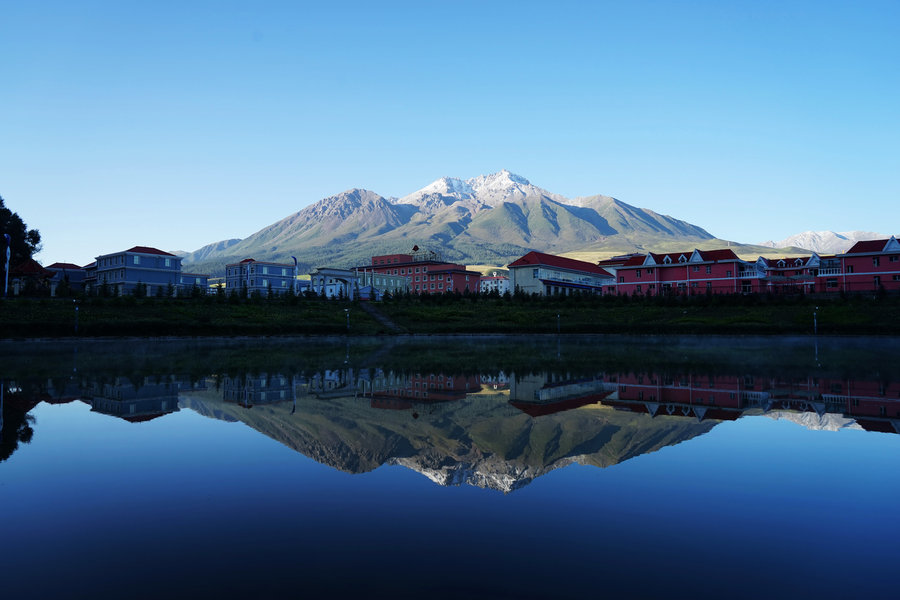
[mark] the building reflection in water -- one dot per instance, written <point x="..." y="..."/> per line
<point x="148" y="399"/>
<point x="873" y="405"/>
<point x="262" y="388"/>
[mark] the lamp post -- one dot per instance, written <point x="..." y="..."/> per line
<point x="6" y="271"/>
<point x="347" y="310"/>
<point x="815" y="322"/>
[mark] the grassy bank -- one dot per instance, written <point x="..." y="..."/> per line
<point x="29" y="318"/>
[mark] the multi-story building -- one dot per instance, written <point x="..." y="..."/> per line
<point x="871" y="265"/>
<point x="546" y="274"/>
<point x="188" y="281"/>
<point x="373" y="284"/>
<point x="697" y="272"/>
<point x="68" y="275"/>
<point x="426" y="272"/>
<point x="260" y="276"/>
<point x="125" y="272"/>
<point x="494" y="283"/>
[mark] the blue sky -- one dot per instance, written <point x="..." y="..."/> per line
<point x="177" y="124"/>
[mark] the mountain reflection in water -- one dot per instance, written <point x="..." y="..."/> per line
<point x="497" y="429"/>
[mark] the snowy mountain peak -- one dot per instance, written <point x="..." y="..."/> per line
<point x="825" y="242"/>
<point x="499" y="186"/>
<point x="449" y="186"/>
<point x="496" y="182"/>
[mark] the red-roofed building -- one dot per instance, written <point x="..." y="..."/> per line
<point x="140" y="269"/>
<point x="426" y="272"/>
<point x="787" y="275"/>
<point x="547" y="274"/>
<point x="68" y="274"/>
<point x="692" y="273"/>
<point x="27" y="276"/>
<point x="871" y="265"/>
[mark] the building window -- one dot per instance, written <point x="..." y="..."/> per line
<point x="709" y="285"/>
<point x="727" y="273"/>
<point x="137" y="260"/>
<point x="849" y="268"/>
<point x="638" y="273"/>
<point x="621" y="279"/>
<point x="831" y="282"/>
<point x="696" y="268"/>
<point x="708" y="269"/>
<point x="894" y="258"/>
<point x="876" y="261"/>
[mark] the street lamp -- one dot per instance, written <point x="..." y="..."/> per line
<point x="6" y="271"/>
<point x="347" y="310"/>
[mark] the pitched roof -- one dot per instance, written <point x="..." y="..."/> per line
<point x="789" y="262"/>
<point x="550" y="260"/>
<point x="868" y="246"/>
<point x="635" y="261"/>
<point x="722" y="254"/>
<point x="29" y="267"/>
<point x="148" y="250"/>
<point x="59" y="265"/>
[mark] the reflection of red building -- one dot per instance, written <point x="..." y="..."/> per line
<point x="402" y="392"/>
<point x="874" y="405"/>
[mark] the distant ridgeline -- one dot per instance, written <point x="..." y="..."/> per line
<point x="488" y="220"/>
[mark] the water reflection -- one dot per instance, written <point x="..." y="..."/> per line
<point x="495" y="428"/>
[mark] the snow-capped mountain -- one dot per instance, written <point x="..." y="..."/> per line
<point x="825" y="242"/>
<point x="489" y="219"/>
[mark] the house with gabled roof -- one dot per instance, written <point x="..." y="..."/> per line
<point x="786" y="275"/>
<point x="871" y="265"/>
<point x="690" y="273"/>
<point x="66" y="274"/>
<point x="547" y="275"/>
<point x="142" y="267"/>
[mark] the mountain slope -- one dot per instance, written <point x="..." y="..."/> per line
<point x="490" y="219"/>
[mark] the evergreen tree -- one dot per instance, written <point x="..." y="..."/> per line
<point x="24" y="242"/>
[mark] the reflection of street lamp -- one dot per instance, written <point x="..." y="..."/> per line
<point x="815" y="323"/>
<point x="76" y="316"/>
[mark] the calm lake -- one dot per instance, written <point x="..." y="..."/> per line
<point x="470" y="467"/>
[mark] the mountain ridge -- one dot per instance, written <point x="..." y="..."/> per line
<point x="825" y="242"/>
<point x="488" y="219"/>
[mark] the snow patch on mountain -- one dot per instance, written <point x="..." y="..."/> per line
<point x="825" y="242"/>
<point x="815" y="421"/>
